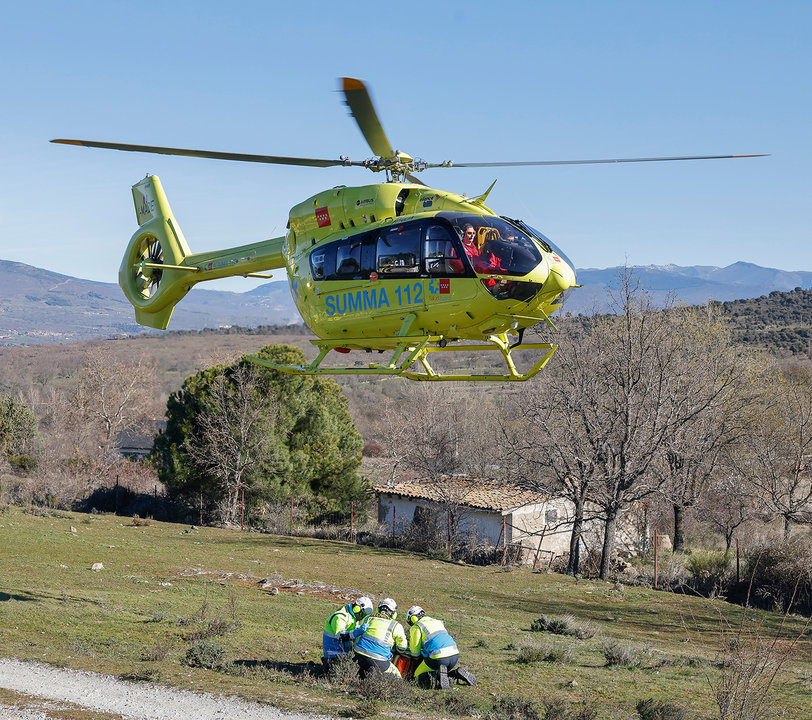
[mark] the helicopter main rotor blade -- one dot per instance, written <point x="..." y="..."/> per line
<point x="360" y="103"/>
<point x="588" y="162"/>
<point x="213" y="155"/>
<point x="412" y="179"/>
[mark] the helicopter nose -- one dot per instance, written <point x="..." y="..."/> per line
<point x="561" y="277"/>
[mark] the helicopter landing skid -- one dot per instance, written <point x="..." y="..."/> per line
<point x="409" y="351"/>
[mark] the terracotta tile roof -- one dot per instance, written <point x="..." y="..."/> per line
<point x="481" y="494"/>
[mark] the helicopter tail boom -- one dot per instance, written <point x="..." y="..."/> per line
<point x="158" y="268"/>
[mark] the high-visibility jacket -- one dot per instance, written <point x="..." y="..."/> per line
<point x="429" y="638"/>
<point x="341" y="621"/>
<point x="377" y="637"/>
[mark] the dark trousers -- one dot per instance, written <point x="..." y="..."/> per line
<point x="367" y="665"/>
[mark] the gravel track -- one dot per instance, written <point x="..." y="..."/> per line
<point x="132" y="701"/>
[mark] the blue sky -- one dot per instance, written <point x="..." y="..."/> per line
<point x="468" y="81"/>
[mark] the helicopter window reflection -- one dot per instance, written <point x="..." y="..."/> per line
<point x="441" y="256"/>
<point x="399" y="250"/>
<point x="323" y="262"/>
<point x="348" y="259"/>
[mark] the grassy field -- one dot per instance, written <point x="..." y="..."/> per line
<point x="167" y="588"/>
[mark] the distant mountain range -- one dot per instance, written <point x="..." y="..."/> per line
<point x="693" y="285"/>
<point x="38" y="306"/>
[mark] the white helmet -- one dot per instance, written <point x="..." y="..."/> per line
<point x="414" y="613"/>
<point x="363" y="606"/>
<point x="388" y="605"/>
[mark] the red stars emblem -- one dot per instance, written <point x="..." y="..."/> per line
<point x="445" y="286"/>
<point x="323" y="217"/>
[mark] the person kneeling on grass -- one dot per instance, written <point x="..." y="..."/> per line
<point x="430" y="641"/>
<point x="344" y="620"/>
<point x="376" y="639"/>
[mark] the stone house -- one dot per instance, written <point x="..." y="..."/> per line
<point x="532" y="527"/>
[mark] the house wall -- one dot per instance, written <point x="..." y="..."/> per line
<point x="528" y="522"/>
<point x="486" y="523"/>
<point x="521" y="526"/>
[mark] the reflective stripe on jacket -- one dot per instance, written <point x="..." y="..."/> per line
<point x="429" y="638"/>
<point x="341" y="621"/>
<point x="377" y="636"/>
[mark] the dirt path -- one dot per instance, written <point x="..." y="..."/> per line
<point x="131" y="701"/>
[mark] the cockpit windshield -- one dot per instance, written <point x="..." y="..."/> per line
<point x="495" y="246"/>
<point x="544" y="240"/>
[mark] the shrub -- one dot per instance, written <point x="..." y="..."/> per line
<point x="565" y="625"/>
<point x="205" y="654"/>
<point x="458" y="704"/>
<point x="560" y="710"/>
<point x="557" y="626"/>
<point x="537" y="652"/>
<point x="752" y="659"/>
<point x="214" y="628"/>
<point x="623" y="655"/>
<point x="652" y="710"/>
<point x="512" y="707"/>
<point x="775" y="570"/>
<point x="381" y="687"/>
<point x="708" y="571"/>
<point x="343" y="671"/>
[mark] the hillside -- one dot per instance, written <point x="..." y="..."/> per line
<point x="42" y="307"/>
<point x="780" y="321"/>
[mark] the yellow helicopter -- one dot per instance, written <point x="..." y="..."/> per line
<point x="396" y="267"/>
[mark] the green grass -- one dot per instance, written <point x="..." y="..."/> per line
<point x="165" y="588"/>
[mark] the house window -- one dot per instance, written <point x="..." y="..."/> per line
<point x="551" y="516"/>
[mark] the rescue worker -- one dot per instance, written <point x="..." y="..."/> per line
<point x="377" y="638"/>
<point x="346" y="619"/>
<point x="430" y="641"/>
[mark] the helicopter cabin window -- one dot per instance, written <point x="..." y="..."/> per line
<point x="441" y="257"/>
<point x="399" y="250"/>
<point x="323" y="262"/>
<point x="348" y="259"/>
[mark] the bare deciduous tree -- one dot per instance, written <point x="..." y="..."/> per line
<point x="777" y="459"/>
<point x="714" y="399"/>
<point x="108" y="395"/>
<point x="435" y="433"/>
<point x="624" y="389"/>
<point x="727" y="506"/>
<point x="234" y="434"/>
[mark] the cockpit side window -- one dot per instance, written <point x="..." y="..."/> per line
<point x="496" y="247"/>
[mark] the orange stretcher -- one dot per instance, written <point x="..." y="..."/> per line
<point x="406" y="665"/>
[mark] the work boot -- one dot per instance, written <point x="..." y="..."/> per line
<point x="464" y="674"/>
<point x="443" y="674"/>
